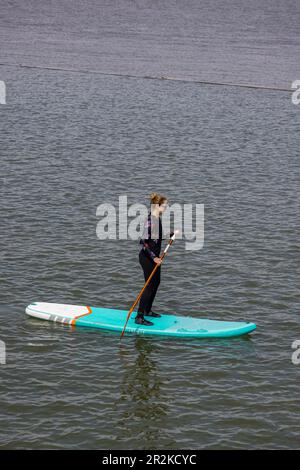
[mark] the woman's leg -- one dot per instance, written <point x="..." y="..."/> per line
<point x="147" y="296"/>
<point x="156" y="282"/>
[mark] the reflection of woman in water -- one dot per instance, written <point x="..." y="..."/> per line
<point x="149" y="256"/>
<point x="143" y="401"/>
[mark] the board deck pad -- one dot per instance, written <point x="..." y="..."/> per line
<point x="114" y="320"/>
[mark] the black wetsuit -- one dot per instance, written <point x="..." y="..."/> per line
<point x="150" y="249"/>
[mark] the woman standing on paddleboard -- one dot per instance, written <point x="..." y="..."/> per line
<point x="149" y="256"/>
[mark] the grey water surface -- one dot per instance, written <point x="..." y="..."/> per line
<point x="246" y="42"/>
<point x="71" y="141"/>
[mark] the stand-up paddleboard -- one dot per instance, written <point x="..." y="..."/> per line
<point x="114" y="320"/>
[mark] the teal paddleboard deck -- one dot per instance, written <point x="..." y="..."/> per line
<point x="114" y="320"/>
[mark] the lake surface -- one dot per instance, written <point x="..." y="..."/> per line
<point x="247" y="42"/>
<point x="71" y="141"/>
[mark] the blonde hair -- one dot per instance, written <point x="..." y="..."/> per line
<point x="156" y="198"/>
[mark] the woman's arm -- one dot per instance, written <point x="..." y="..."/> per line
<point x="146" y="236"/>
<point x="147" y="249"/>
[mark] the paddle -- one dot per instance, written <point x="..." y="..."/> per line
<point x="147" y="282"/>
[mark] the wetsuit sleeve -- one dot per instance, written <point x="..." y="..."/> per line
<point x="145" y="239"/>
<point x="147" y="249"/>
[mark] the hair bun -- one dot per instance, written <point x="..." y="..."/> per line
<point x="156" y="198"/>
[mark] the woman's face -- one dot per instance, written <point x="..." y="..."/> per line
<point x="163" y="206"/>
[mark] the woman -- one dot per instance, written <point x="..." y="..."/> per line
<point x="149" y="256"/>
